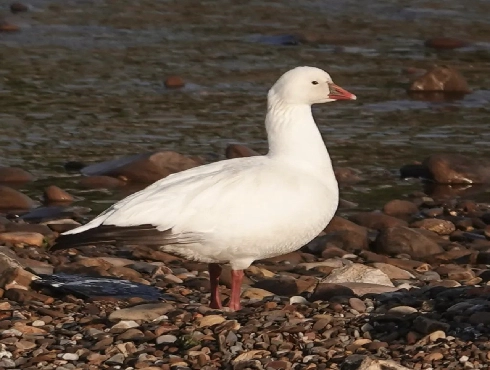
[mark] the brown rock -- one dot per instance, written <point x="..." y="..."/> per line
<point x="173" y="82"/>
<point x="101" y="182"/>
<point x="400" y="208"/>
<point x="124" y="273"/>
<point x="341" y="224"/>
<point x="397" y="240"/>
<point x="239" y="151"/>
<point x="457" y="169"/>
<point x="18" y="7"/>
<point x="445" y="43"/>
<point x="19" y="295"/>
<point x="326" y="291"/>
<point x="357" y="304"/>
<point x="480" y="318"/>
<point x="441" y="227"/>
<point x="441" y="78"/>
<point x="393" y="272"/>
<point x="279" y="286"/>
<point x="359" y="273"/>
<point x="256" y="293"/>
<point x="347" y="175"/>
<point x="376" y="220"/>
<point x="143" y="168"/>
<point x="344" y="240"/>
<point x="55" y="194"/>
<point x="6" y="26"/>
<point x="20" y="237"/>
<point x="332" y="251"/>
<point x="16" y="278"/>
<point x="144" y="312"/>
<point x="292" y="258"/>
<point x="408" y="264"/>
<point x="11" y="199"/>
<point x="14" y="174"/>
<point x="29" y="228"/>
<point x="461" y="274"/>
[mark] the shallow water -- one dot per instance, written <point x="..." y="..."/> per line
<point x="83" y="80"/>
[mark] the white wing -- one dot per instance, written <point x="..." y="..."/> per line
<point x="166" y="201"/>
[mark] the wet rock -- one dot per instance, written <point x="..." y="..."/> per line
<point x="6" y="26"/>
<point x="23" y="238"/>
<point x="400" y="208"/>
<point x="376" y="220"/>
<point x="14" y="174"/>
<point x="457" y="169"/>
<point x="144" y="312"/>
<point x="11" y="199"/>
<point x="438" y="226"/>
<point x="174" y="82"/>
<point x="416" y="171"/>
<point x="101" y="182"/>
<point x="341" y="224"/>
<point x="239" y="151"/>
<point x="445" y="43"/>
<point x="358" y="273"/>
<point x="144" y="168"/>
<point x="74" y="166"/>
<point x="396" y="240"/>
<point x="55" y="194"/>
<point x="18" y="7"/>
<point x="442" y="78"/>
<point x="347" y="175"/>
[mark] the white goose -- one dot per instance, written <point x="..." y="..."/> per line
<point x="239" y="210"/>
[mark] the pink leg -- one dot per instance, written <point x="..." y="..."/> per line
<point x="214" y="273"/>
<point x="236" y="287"/>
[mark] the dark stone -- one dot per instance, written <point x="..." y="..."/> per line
<point x="397" y="240"/>
<point x="326" y="291"/>
<point x="376" y="220"/>
<point x="400" y="208"/>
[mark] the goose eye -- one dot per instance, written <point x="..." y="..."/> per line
<point x="314" y="82"/>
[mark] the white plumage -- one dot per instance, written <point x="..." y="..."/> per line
<point x="241" y="210"/>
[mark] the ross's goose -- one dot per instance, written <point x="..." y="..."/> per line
<point x="239" y="210"/>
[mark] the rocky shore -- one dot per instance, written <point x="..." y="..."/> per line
<point x="402" y="287"/>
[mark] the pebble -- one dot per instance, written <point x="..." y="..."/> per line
<point x="172" y="82"/>
<point x="70" y="356"/>
<point x="166" y="339"/>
